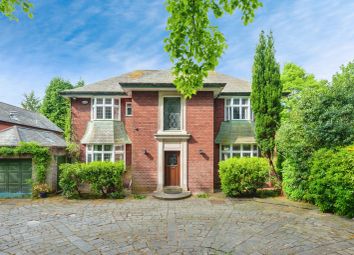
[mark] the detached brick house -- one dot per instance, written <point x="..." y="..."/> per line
<point x="164" y="139"/>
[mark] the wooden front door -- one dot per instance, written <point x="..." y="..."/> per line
<point x="172" y="168"/>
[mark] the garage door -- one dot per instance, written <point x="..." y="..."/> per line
<point x="14" y="174"/>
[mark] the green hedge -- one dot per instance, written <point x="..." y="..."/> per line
<point x="331" y="181"/>
<point x="104" y="178"/>
<point x="242" y="175"/>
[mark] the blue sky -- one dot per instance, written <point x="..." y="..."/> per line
<point x="95" y="39"/>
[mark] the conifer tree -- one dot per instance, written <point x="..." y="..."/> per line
<point x="266" y="97"/>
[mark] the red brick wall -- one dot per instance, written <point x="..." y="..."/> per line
<point x="200" y="124"/>
<point x="5" y="125"/>
<point x="219" y="118"/>
<point x="80" y="115"/>
<point x="145" y="125"/>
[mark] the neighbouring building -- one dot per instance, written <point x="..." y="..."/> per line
<point x="18" y="125"/>
<point x="164" y="139"/>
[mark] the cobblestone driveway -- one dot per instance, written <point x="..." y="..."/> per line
<point x="192" y="226"/>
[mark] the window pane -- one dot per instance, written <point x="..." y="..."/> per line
<point x="99" y="100"/>
<point x="236" y="101"/>
<point x="236" y="155"/>
<point x="107" y="157"/>
<point x="236" y="113"/>
<point x="89" y="147"/>
<point x="225" y="147"/>
<point x="119" y="156"/>
<point x="172" y="113"/>
<point x="116" y="101"/>
<point x="228" y="101"/>
<point x="116" y="113"/>
<point x="108" y="101"/>
<point x="99" y="112"/>
<point x="255" y="147"/>
<point x="97" y="147"/>
<point x="128" y="109"/>
<point x="108" y="113"/>
<point x="246" y="147"/>
<point x="107" y="147"/>
<point x="225" y="156"/>
<point x="97" y="157"/>
<point x="246" y="154"/>
<point x="245" y="101"/>
<point x="236" y="147"/>
<point x="89" y="157"/>
<point x="244" y="113"/>
<point x="119" y="147"/>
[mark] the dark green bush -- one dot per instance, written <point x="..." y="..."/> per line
<point x="242" y="175"/>
<point x="104" y="178"/>
<point x="331" y="181"/>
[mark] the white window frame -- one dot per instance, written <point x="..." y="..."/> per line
<point x="162" y="95"/>
<point x="229" y="112"/>
<point x="120" y="151"/>
<point x="254" y="152"/>
<point x="114" y="107"/>
<point x="90" y="150"/>
<point x="126" y="109"/>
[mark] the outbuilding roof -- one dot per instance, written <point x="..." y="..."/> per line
<point x="19" y="116"/>
<point x="157" y="78"/>
<point x="14" y="135"/>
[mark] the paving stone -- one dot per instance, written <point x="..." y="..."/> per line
<point x="191" y="226"/>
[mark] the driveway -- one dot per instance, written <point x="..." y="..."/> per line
<point x="192" y="226"/>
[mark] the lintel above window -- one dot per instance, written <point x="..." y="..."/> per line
<point x="238" y="108"/>
<point x="105" y="108"/>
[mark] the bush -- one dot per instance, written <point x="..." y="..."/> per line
<point x="104" y="178"/>
<point x="242" y="175"/>
<point x="331" y="181"/>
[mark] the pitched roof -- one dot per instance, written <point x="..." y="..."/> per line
<point x="105" y="132"/>
<point x="236" y="131"/>
<point x="19" y="116"/>
<point x="157" y="77"/>
<point x="14" y="135"/>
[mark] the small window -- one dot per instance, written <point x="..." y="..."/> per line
<point x="128" y="109"/>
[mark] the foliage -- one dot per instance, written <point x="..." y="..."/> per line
<point x="139" y="196"/>
<point x="320" y="118"/>
<point x="8" y="7"/>
<point x="40" y="188"/>
<point x="105" y="178"/>
<point x="203" y="195"/>
<point x="54" y="106"/>
<point x="331" y="181"/>
<point x="73" y="151"/>
<point x="41" y="157"/>
<point x="242" y="175"/>
<point x="31" y="102"/>
<point x="266" y="96"/>
<point x="194" y="44"/>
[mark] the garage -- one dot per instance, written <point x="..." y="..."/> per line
<point x="14" y="176"/>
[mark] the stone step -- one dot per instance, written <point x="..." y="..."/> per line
<point x="172" y="189"/>
<point x="166" y="196"/>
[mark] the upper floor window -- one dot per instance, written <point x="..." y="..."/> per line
<point x="105" y="109"/>
<point x="128" y="109"/>
<point x="172" y="113"/>
<point x="237" y="108"/>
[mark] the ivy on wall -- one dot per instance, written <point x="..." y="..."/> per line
<point x="40" y="155"/>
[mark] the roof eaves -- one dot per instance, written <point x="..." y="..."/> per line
<point x="130" y="85"/>
<point x="226" y="94"/>
<point x="91" y="93"/>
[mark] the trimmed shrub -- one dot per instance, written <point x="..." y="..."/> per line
<point x="104" y="178"/>
<point x="331" y="181"/>
<point x="242" y="175"/>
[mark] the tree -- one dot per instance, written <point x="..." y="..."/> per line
<point x="8" y="7"/>
<point x="31" y="102"/>
<point x="194" y="44"/>
<point x="266" y="96"/>
<point x="54" y="106"/>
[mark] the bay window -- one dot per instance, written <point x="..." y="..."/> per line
<point x="238" y="150"/>
<point x="105" y="109"/>
<point x="104" y="152"/>
<point x="237" y="108"/>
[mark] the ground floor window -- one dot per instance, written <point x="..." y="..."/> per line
<point x="238" y="150"/>
<point x="104" y="152"/>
